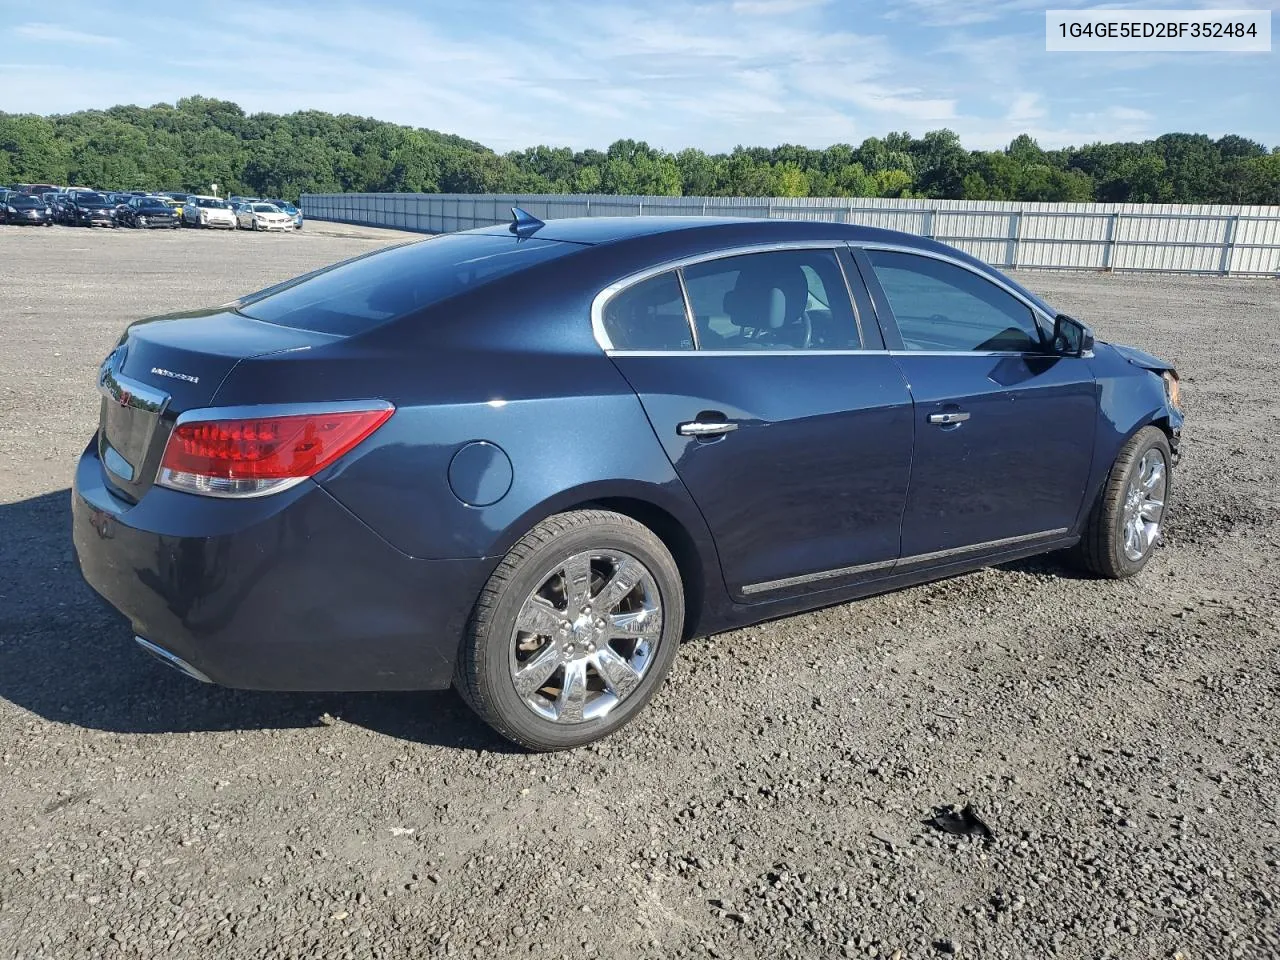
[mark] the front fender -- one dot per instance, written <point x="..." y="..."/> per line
<point x="1131" y="395"/>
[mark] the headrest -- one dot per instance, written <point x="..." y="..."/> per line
<point x="767" y="301"/>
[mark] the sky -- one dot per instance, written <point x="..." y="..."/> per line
<point x="704" y="73"/>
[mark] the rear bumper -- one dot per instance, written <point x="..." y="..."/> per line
<point x="289" y="592"/>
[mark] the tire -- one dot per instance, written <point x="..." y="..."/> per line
<point x="1109" y="547"/>
<point x="491" y="652"/>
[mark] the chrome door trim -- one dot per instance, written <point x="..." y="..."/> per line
<point x="608" y="293"/>
<point x="980" y="547"/>
<point x="770" y="585"/>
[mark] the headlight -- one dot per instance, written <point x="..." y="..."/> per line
<point x="48" y="210"/>
<point x="1172" y="391"/>
<point x="10" y="209"/>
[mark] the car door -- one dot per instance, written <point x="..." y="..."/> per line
<point x="1004" y="426"/>
<point x="785" y="418"/>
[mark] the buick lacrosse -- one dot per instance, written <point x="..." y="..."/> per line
<point x="530" y="460"/>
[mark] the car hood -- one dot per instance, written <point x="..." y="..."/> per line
<point x="155" y="212"/>
<point x="1140" y="358"/>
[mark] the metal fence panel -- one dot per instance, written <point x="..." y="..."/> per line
<point x="1194" y="238"/>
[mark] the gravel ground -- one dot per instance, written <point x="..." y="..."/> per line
<point x="1120" y="739"/>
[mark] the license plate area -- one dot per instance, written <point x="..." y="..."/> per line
<point x="131" y="412"/>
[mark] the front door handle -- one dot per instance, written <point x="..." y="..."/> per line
<point x="706" y="428"/>
<point x="954" y="416"/>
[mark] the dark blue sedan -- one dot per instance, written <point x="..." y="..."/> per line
<point x="528" y="461"/>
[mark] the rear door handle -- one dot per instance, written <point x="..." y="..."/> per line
<point x="706" y="428"/>
<point x="955" y="416"/>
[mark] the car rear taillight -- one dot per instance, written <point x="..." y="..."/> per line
<point x="252" y="456"/>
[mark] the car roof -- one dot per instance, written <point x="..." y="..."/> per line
<point x="703" y="234"/>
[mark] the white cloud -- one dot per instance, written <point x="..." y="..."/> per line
<point x="1025" y="107"/>
<point x="774" y="8"/>
<point x="705" y="73"/>
<point x="54" y="33"/>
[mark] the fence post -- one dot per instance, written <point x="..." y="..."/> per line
<point x="641" y="213"/>
<point x="1015" y="231"/>
<point x="588" y="206"/>
<point x="928" y="223"/>
<point x="704" y="208"/>
<point x="1109" y="254"/>
<point x="1228" y="246"/>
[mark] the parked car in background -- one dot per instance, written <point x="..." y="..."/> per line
<point x="86" y="209"/>
<point x="62" y="206"/>
<point x="798" y="414"/>
<point x="262" y="216"/>
<point x="208" y="212"/>
<point x="38" y="188"/>
<point x="21" y="208"/>
<point x="286" y="207"/>
<point x="149" y="213"/>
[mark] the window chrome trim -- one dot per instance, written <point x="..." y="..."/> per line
<point x="743" y="353"/>
<point x="914" y="560"/>
<point x="602" y="298"/>
<point x="954" y="261"/>
<point x="688" y="308"/>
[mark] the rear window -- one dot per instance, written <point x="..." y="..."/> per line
<point x="358" y="295"/>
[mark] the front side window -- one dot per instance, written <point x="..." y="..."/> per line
<point x="943" y="307"/>
<point x="774" y="300"/>
<point x="649" y="315"/>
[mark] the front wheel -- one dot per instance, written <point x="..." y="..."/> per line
<point x="1125" y="524"/>
<point x="574" y="632"/>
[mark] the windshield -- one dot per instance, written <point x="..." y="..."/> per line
<point x="212" y="204"/>
<point x="283" y="205"/>
<point x="360" y="294"/>
<point x="153" y="202"/>
<point x="23" y="201"/>
<point x="91" y="198"/>
<point x="264" y="208"/>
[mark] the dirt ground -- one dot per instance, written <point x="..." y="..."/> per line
<point x="1121" y="739"/>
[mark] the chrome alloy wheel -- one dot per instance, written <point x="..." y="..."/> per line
<point x="586" y="636"/>
<point x="1144" y="505"/>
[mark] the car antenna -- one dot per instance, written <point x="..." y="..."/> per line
<point x="523" y="223"/>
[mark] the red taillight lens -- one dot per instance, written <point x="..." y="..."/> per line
<point x="252" y="456"/>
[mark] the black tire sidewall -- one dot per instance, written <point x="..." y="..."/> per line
<point x="491" y="641"/>
<point x="1149" y="438"/>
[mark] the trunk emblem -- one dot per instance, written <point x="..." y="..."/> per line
<point x="162" y="372"/>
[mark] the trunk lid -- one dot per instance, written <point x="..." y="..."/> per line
<point x="163" y="368"/>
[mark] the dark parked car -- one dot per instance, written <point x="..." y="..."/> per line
<point x="86" y="209"/>
<point x="529" y="461"/>
<point x="149" y="213"/>
<point x="21" y="208"/>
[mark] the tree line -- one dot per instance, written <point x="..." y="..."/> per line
<point x="199" y="141"/>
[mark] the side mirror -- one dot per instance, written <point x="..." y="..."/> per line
<point x="1071" y="338"/>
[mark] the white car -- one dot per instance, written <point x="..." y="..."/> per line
<point x="208" y="212"/>
<point x="263" y="216"/>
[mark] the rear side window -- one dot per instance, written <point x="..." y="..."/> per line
<point x="360" y="294"/>
<point x="942" y="307"/>
<point x="649" y="316"/>
<point x="775" y="300"/>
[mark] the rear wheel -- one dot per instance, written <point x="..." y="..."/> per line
<point x="1125" y="524"/>
<point x="574" y="632"/>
